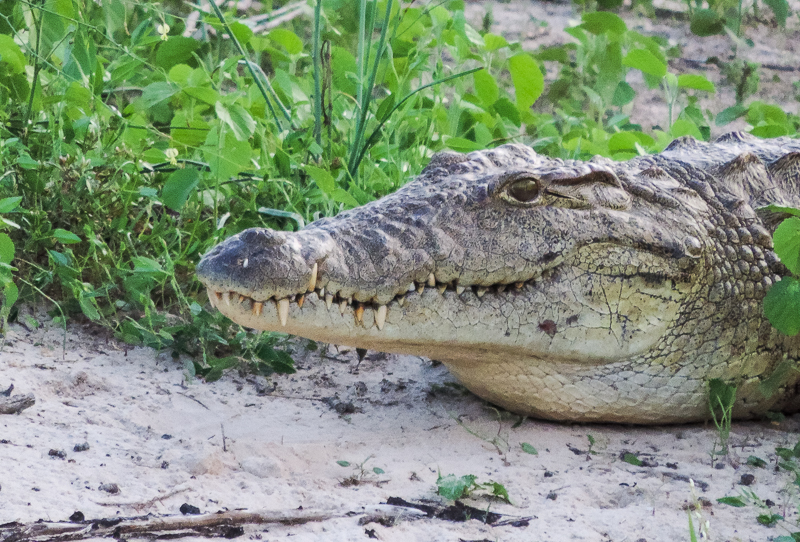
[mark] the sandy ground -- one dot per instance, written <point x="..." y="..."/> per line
<point x="239" y="444"/>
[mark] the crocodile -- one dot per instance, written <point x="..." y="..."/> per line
<point x="595" y="291"/>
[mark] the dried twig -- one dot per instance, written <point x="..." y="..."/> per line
<point x="222" y="523"/>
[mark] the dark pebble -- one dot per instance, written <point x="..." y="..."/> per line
<point x="189" y="510"/>
<point x="77" y="517"/>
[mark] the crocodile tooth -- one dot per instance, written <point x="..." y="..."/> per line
<point x="246" y="262"/>
<point x="328" y="300"/>
<point x="411" y="287"/>
<point x="236" y="298"/>
<point x="420" y="288"/>
<point x="226" y="297"/>
<point x="480" y="291"/>
<point x="442" y="288"/>
<point x="380" y="317"/>
<point x="460" y="289"/>
<point x="359" y="313"/>
<point x="342" y="306"/>
<point x="431" y="280"/>
<point x="300" y="300"/>
<point x="257" y="306"/>
<point x="501" y="288"/>
<point x="312" y="283"/>
<point x="321" y="293"/>
<point x="401" y="300"/>
<point x="212" y="298"/>
<point x="283" y="310"/>
<point x="519" y="285"/>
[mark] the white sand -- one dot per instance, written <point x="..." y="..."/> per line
<point x="279" y="451"/>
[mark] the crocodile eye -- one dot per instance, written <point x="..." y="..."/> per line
<point x="524" y="190"/>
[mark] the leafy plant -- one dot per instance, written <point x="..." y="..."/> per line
<point x="721" y="398"/>
<point x="454" y="487"/>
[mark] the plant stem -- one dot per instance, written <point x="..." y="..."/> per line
<point x="317" y="85"/>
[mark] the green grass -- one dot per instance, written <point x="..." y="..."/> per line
<point x="127" y="149"/>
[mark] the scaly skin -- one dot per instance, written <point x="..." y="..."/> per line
<point x="587" y="291"/>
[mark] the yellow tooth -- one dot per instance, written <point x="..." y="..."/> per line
<point x="342" y="306"/>
<point x="257" y="307"/>
<point x="420" y="288"/>
<point x="460" y="290"/>
<point x="401" y="300"/>
<point x="442" y="288"/>
<point x="212" y="298"/>
<point x="246" y="262"/>
<point x="283" y="310"/>
<point x="328" y="300"/>
<point x="519" y="285"/>
<point x="321" y="293"/>
<point x="312" y="284"/>
<point x="411" y="287"/>
<point x="501" y="288"/>
<point x="480" y="291"/>
<point x="300" y="300"/>
<point x="359" y="314"/>
<point x="236" y="298"/>
<point x="226" y="297"/>
<point x="380" y="317"/>
<point x="431" y="280"/>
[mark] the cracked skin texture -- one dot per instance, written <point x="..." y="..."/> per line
<point x="586" y="291"/>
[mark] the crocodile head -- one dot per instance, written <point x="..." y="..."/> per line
<point x="553" y="288"/>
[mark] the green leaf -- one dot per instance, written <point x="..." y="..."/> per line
<point x="9" y="204"/>
<point x="599" y="22"/>
<point x="241" y="32"/>
<point x="756" y="462"/>
<point x="237" y="118"/>
<point x="11" y="55"/>
<point x="377" y="470"/>
<point x="787" y="243"/>
<point x="10" y="294"/>
<point x="730" y="114"/>
<point x="781" y="10"/>
<point x="506" y="109"/>
<point x="769" y="520"/>
<point x="88" y="307"/>
<point x="493" y="42"/>
<point x="780" y="306"/>
<point x="461" y="144"/>
<point x="528" y="449"/>
<point x="157" y="92"/>
<point x="453" y="487"/>
<point x="343" y="463"/>
<point x="385" y="109"/>
<point x="6" y="248"/>
<point x="632" y="459"/>
<point x="646" y="62"/>
<point x="499" y="490"/>
<point x="732" y="501"/>
<point x="706" y="22"/>
<point x="143" y="264"/>
<point x="288" y="40"/>
<point x="341" y="195"/>
<point x="176" y="50"/>
<point x="323" y="178"/>
<point x="697" y="82"/>
<point x="486" y="87"/>
<point x="623" y="94"/>
<point x="178" y="187"/>
<point x="527" y="78"/>
<point x="65" y="237"/>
